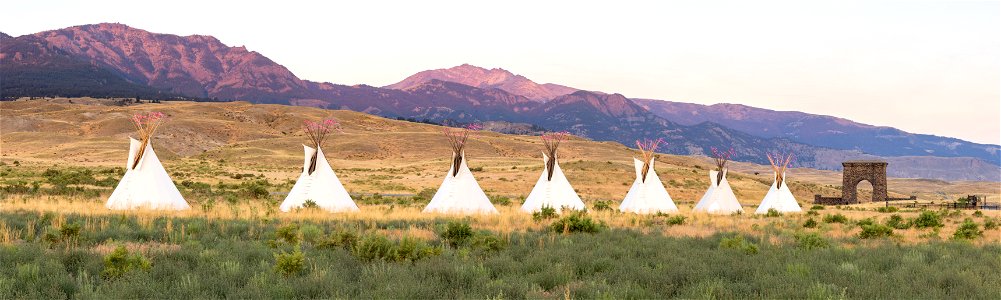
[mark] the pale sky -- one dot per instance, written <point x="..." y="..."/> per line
<point x="924" y="67"/>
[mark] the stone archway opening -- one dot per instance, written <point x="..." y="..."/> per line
<point x="864" y="191"/>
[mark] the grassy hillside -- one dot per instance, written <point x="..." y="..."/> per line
<point x="210" y="142"/>
<point x="233" y="161"/>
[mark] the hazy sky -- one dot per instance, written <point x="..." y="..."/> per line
<point x="925" y="67"/>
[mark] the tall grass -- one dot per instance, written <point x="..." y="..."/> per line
<point x="232" y="258"/>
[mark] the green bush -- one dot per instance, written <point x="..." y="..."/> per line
<point x="898" y="222"/>
<point x="872" y="231"/>
<point x="928" y="219"/>
<point x="456" y="234"/>
<point x="602" y="205"/>
<point x="812" y="213"/>
<point x="290" y="263"/>
<point x="739" y="243"/>
<point x="978" y="213"/>
<point x="120" y="262"/>
<point x="836" y="218"/>
<point x="772" y="213"/>
<point x="968" y="230"/>
<point x="811" y="241"/>
<point x="377" y="247"/>
<point x="500" y="200"/>
<point x="675" y="220"/>
<point x="309" y="204"/>
<point x="990" y="224"/>
<point x="817" y="207"/>
<point x="311" y="233"/>
<point x="545" y="213"/>
<point x="288" y="233"/>
<point x="340" y="239"/>
<point x="810" y="223"/>
<point x="576" y="221"/>
<point x="424" y="195"/>
<point x="888" y="209"/>
<point x="487" y="242"/>
<point x="866" y="221"/>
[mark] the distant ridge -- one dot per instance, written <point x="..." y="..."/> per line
<point x="487" y="79"/>
<point x="114" y="60"/>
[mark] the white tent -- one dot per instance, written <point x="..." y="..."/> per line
<point x="780" y="199"/>
<point x="647" y="196"/>
<point x="554" y="191"/>
<point x="145" y="184"/>
<point x="318" y="183"/>
<point x="719" y="199"/>
<point x="459" y="193"/>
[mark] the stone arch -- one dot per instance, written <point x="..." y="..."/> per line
<point x="856" y="171"/>
<point x="864" y="191"/>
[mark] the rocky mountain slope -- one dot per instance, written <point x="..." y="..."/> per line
<point x="487" y="79"/>
<point x="819" y="130"/>
<point x="114" y="60"/>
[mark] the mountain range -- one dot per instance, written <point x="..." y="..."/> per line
<point x="114" y="60"/>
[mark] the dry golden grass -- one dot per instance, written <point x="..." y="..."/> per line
<point x="209" y="142"/>
<point x="510" y="220"/>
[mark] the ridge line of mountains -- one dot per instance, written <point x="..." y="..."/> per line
<point x="115" y="60"/>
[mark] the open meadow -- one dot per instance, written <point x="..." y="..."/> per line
<point x="233" y="162"/>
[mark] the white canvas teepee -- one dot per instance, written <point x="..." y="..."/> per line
<point x="318" y="182"/>
<point x="647" y="196"/>
<point x="779" y="197"/>
<point x="145" y="184"/>
<point x="459" y="193"/>
<point x="319" y="185"/>
<point x="719" y="198"/>
<point x="554" y="191"/>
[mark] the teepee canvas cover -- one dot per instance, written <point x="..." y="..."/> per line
<point x="779" y="197"/>
<point x="318" y="182"/>
<point x="647" y="195"/>
<point x="719" y="198"/>
<point x="553" y="189"/>
<point x="459" y="192"/>
<point x="145" y="184"/>
<point x="321" y="186"/>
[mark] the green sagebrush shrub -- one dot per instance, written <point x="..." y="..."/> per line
<point x="810" y="223"/>
<point x="835" y="218"/>
<point x="874" y="230"/>
<point x="545" y="213"/>
<point x="576" y="221"/>
<point x="811" y="241"/>
<point x="928" y="219"/>
<point x="288" y="233"/>
<point x="120" y="261"/>
<point x="898" y="222"/>
<point x="968" y="230"/>
<point x="888" y="209"/>
<point x="602" y="205"/>
<point x="772" y="213"/>
<point x="675" y="220"/>
<point x="340" y="239"/>
<point x="290" y="263"/>
<point x="456" y="234"/>
<point x="377" y="247"/>
<point x="990" y="224"/>
<point x="739" y="243"/>
<point x="500" y="200"/>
